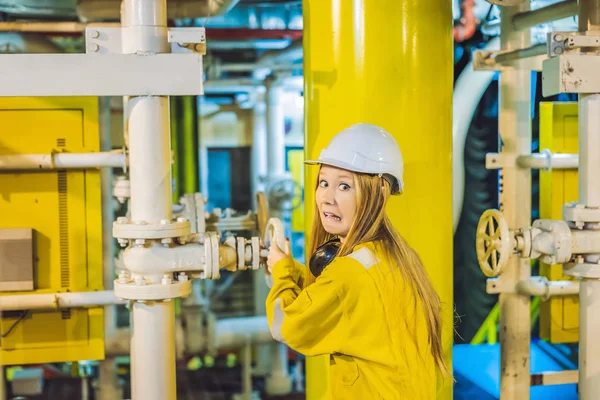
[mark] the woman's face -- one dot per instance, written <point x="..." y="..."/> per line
<point x="336" y="200"/>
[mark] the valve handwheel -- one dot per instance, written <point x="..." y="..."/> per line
<point x="493" y="243"/>
<point x="274" y="231"/>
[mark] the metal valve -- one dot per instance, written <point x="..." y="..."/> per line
<point x="493" y="243"/>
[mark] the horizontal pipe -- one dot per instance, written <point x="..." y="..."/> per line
<point x="230" y="333"/>
<point x="541" y="286"/>
<point x="110" y="10"/>
<point x="553" y="12"/>
<point x="56" y="301"/>
<point x="62" y="161"/>
<point x="546" y="160"/>
<point x="533" y="51"/>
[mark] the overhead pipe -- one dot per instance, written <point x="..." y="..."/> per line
<point x="63" y="161"/>
<point x="109" y="10"/>
<point x="553" y="12"/>
<point x="57" y="301"/>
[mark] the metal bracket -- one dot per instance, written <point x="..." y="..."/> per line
<point x="569" y="42"/>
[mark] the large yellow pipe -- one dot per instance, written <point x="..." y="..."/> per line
<point x="388" y="62"/>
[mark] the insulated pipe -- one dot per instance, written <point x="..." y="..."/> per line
<point x="63" y="161"/>
<point x="57" y="301"/>
<point x="351" y="76"/>
<point x="553" y="12"/>
<point x="468" y="91"/>
<point x="514" y="119"/>
<point x="153" y="323"/>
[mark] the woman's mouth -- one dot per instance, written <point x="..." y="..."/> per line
<point x="331" y="217"/>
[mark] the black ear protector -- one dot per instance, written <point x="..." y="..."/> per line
<point x="324" y="256"/>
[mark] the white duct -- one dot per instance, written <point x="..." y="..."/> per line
<point x="109" y="10"/>
<point x="468" y="90"/>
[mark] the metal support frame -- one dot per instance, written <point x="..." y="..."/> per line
<point x="571" y="68"/>
<point x="515" y="128"/>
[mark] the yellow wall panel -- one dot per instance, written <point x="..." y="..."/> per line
<point x="559" y="317"/>
<point x="64" y="209"/>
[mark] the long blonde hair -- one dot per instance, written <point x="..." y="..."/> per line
<point x="372" y="224"/>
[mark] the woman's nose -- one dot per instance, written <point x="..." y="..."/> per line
<point x="327" y="196"/>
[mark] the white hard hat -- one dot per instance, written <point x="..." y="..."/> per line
<point x="367" y="149"/>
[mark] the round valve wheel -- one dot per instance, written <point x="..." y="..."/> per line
<point x="274" y="231"/>
<point x="493" y="243"/>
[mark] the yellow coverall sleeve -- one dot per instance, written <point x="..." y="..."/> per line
<point x="309" y="321"/>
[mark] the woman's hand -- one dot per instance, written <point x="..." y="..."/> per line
<point x="276" y="254"/>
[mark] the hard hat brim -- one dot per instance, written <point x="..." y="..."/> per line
<point x="349" y="167"/>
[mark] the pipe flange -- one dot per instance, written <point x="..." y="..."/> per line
<point x="241" y="253"/>
<point x="255" y="243"/>
<point x="123" y="228"/>
<point x="211" y="256"/>
<point x="152" y="291"/>
<point x="582" y="270"/>
<point x="579" y="214"/>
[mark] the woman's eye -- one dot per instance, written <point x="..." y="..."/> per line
<point x="344" y="187"/>
<point x="323" y="184"/>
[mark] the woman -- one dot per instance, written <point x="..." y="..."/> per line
<point x="372" y="307"/>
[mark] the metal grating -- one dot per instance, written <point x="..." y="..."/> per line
<point x="61" y="142"/>
<point x="64" y="229"/>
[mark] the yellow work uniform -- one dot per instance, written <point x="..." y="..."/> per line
<point x="362" y="313"/>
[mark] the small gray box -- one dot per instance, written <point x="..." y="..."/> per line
<point x="16" y="260"/>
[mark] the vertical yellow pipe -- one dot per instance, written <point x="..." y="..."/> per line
<point x="388" y="62"/>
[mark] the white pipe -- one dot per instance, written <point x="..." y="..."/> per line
<point x="589" y="326"/>
<point x="153" y="345"/>
<point x="234" y="332"/>
<point x="553" y="12"/>
<point x="589" y="150"/>
<point x="546" y="160"/>
<point x="258" y="168"/>
<point x="153" y="324"/>
<point x="230" y="333"/>
<point x="541" y="286"/>
<point x="159" y="259"/>
<point x="279" y="383"/>
<point x="55" y="301"/>
<point x="62" y="161"/>
<point x="514" y="120"/>
<point x="275" y="129"/>
<point x="468" y="91"/>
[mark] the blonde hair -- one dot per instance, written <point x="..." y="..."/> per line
<point x="372" y="224"/>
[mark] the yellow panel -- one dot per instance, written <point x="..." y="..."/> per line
<point x="64" y="209"/>
<point x="388" y="62"/>
<point x="296" y="163"/>
<point x="559" y="317"/>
